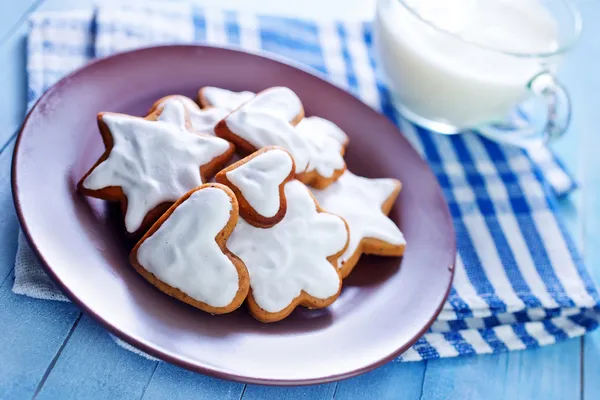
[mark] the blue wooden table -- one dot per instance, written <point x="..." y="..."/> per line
<point x="50" y="350"/>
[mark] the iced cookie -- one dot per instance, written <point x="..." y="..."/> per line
<point x="327" y="143"/>
<point x="184" y="253"/>
<point x="364" y="204"/>
<point x="203" y="121"/>
<point x="294" y="262"/>
<point x="210" y="96"/>
<point x="269" y="119"/>
<point x="149" y="163"/>
<point x="258" y="182"/>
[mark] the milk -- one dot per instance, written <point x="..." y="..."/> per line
<point x="470" y="62"/>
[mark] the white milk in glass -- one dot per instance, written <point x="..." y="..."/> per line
<point x="462" y="62"/>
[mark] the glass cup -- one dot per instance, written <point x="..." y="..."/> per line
<point x="484" y="65"/>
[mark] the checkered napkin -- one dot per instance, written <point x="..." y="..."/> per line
<point x="519" y="281"/>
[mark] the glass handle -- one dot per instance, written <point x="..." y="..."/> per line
<point x="558" y="102"/>
<point x="543" y="117"/>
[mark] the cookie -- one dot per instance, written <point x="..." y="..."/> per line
<point x="258" y="182"/>
<point x="364" y="204"/>
<point x="203" y="121"/>
<point x="184" y="253"/>
<point x="294" y="262"/>
<point x="150" y="162"/>
<point x="269" y="119"/>
<point x="323" y="127"/>
<point x="210" y="96"/>
<point x="327" y="143"/>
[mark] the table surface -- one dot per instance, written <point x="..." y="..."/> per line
<point x="50" y="350"/>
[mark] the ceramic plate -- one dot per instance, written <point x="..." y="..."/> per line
<point x="386" y="303"/>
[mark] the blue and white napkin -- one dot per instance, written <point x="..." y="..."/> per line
<point x="519" y="281"/>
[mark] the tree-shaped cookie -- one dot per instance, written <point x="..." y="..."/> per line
<point x="210" y="96"/>
<point x="258" y="181"/>
<point x="270" y="119"/>
<point x="184" y="253"/>
<point x="294" y="262"/>
<point x="364" y="204"/>
<point x="150" y="162"/>
<point x="327" y="143"/>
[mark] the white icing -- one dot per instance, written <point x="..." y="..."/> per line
<point x="326" y="141"/>
<point x="153" y="161"/>
<point x="265" y="121"/>
<point x="315" y="143"/>
<point x="259" y="179"/>
<point x="203" y="121"/>
<point x="291" y="257"/>
<point x="183" y="252"/>
<point x="225" y="99"/>
<point x="323" y="126"/>
<point x="359" y="200"/>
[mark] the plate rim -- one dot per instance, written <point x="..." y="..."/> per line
<point x="152" y="351"/>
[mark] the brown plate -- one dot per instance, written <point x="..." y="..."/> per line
<point x="385" y="304"/>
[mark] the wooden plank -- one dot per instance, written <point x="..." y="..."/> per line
<point x="391" y="381"/>
<point x="32" y="332"/>
<point x="13" y="14"/>
<point x="581" y="65"/>
<point x="257" y="392"/>
<point x="546" y="373"/>
<point x="9" y="225"/>
<point x="174" y="383"/>
<point x="93" y="366"/>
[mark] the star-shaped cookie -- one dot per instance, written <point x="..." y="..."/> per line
<point x="184" y="253"/>
<point x="294" y="262"/>
<point x="364" y="204"/>
<point x="151" y="162"/>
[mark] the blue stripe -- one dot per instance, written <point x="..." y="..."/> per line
<point x="90" y="51"/>
<point x="385" y="98"/>
<point x="232" y="28"/>
<point x="292" y="38"/>
<point x="350" y="74"/>
<point x="199" y="25"/>
<point x="522" y="316"/>
<point x="492" y="340"/>
<point x="471" y="260"/>
<point x="522" y="334"/>
<point x="459" y="306"/>
<point x="588" y="320"/>
<point x="488" y="210"/>
<point x="459" y="343"/>
<point x="555" y="331"/>
<point x="527" y="225"/>
<point x="491" y="321"/>
<point x="425" y="350"/>
<point x="458" y="324"/>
